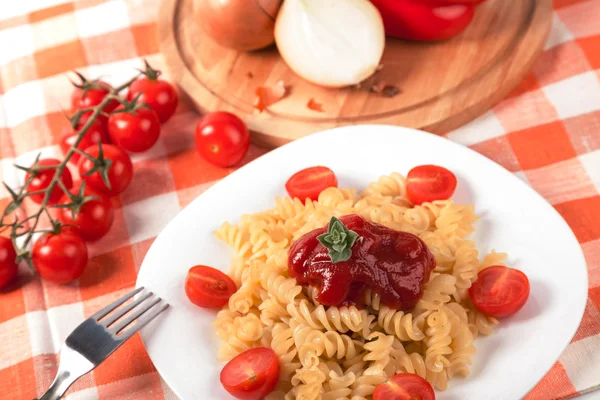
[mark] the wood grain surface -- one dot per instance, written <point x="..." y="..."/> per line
<point x="443" y="85"/>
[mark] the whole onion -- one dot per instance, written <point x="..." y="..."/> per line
<point x="238" y="24"/>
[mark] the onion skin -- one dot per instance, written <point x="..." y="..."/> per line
<point x="242" y="25"/>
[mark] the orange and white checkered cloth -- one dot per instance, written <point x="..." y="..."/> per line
<point x="547" y="133"/>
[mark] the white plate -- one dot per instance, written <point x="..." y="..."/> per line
<point x="514" y="219"/>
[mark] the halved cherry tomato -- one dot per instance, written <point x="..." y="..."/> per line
<point x="8" y="264"/>
<point x="251" y="375"/>
<point x="310" y="182"/>
<point x="222" y="138"/>
<point x="208" y="287"/>
<point x="427" y="183"/>
<point x="500" y="291"/>
<point x="404" y="387"/>
<point x="42" y="179"/>
<point x="61" y="257"/>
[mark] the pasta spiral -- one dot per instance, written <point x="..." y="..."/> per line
<point x="283" y="345"/>
<point x="437" y="341"/>
<point x="236" y="238"/>
<point x="338" y="386"/>
<point x="365" y="385"/>
<point x="341" y="319"/>
<point x="378" y="353"/>
<point x="308" y="383"/>
<point x="399" y="324"/>
<point x="288" y="208"/>
<point x="312" y="343"/>
<point x="387" y="185"/>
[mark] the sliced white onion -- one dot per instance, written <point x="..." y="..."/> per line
<point x="331" y="43"/>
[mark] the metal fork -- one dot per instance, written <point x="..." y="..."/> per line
<point x="99" y="336"/>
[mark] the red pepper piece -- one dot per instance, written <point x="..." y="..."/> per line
<point x="419" y="20"/>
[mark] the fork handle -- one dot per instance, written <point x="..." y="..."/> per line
<point x="71" y="367"/>
<point x="61" y="384"/>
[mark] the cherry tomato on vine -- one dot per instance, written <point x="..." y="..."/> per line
<point x="427" y="183"/>
<point x="96" y="132"/>
<point x="8" y="264"/>
<point x="222" y="138"/>
<point x="42" y="178"/>
<point x="94" y="213"/>
<point x="134" y="131"/>
<point x="92" y="96"/>
<point x="120" y="170"/>
<point x="208" y="287"/>
<point x="404" y="387"/>
<point x="159" y="94"/>
<point x="60" y="257"/>
<point x="310" y="182"/>
<point x="252" y="374"/>
<point x="500" y="291"/>
<point x="103" y="119"/>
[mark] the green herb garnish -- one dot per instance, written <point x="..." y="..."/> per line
<point x="338" y="240"/>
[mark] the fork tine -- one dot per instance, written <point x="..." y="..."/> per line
<point x="119" y="326"/>
<point x="145" y="320"/>
<point x="115" y="304"/>
<point x="113" y="317"/>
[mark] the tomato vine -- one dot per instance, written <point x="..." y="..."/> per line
<point x="27" y="227"/>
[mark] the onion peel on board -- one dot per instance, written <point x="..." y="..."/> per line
<point x="314" y="105"/>
<point x="269" y="95"/>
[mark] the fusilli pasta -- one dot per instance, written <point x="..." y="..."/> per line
<point x="337" y="353"/>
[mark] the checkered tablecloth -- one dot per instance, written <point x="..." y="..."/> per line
<point x="547" y="133"/>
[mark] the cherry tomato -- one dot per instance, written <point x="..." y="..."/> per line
<point x="310" y="182"/>
<point x="8" y="264"/>
<point x="92" y="97"/>
<point x="42" y="179"/>
<point x="409" y="19"/>
<point x="134" y="131"/>
<point x="93" y="218"/>
<point x="208" y="287"/>
<point x="120" y="171"/>
<point x="222" y="138"/>
<point x="159" y="94"/>
<point x="103" y="119"/>
<point x="500" y="291"/>
<point x="96" y="132"/>
<point x="427" y="183"/>
<point x="404" y="387"/>
<point x="60" y="257"/>
<point x="252" y="374"/>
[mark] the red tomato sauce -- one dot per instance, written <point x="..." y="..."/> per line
<point x="394" y="264"/>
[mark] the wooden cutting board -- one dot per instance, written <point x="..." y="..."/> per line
<point x="442" y="85"/>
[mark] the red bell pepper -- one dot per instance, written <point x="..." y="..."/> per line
<point x="426" y="19"/>
<point x="447" y="2"/>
